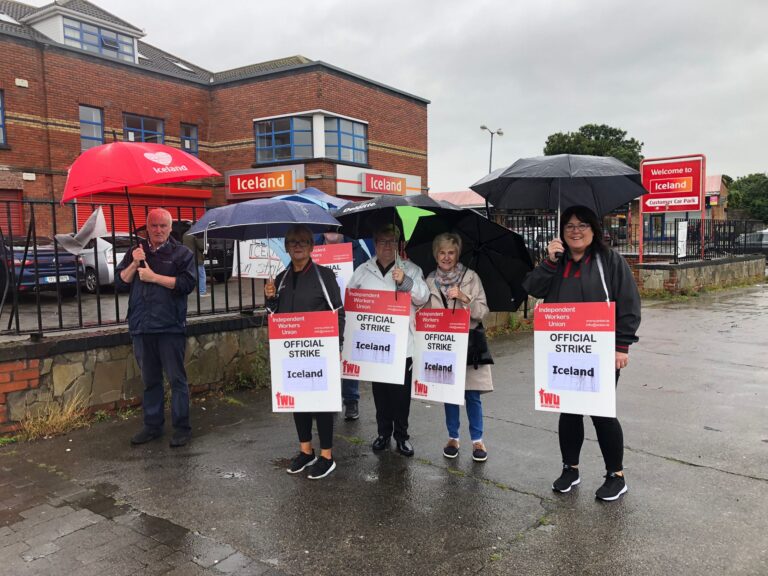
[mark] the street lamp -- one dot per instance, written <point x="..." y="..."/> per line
<point x="492" y="133"/>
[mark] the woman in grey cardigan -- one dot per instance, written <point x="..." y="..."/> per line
<point x="454" y="284"/>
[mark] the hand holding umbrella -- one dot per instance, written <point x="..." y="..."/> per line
<point x="555" y="249"/>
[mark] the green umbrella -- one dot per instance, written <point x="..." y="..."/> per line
<point x="409" y="217"/>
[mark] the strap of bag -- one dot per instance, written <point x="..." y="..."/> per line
<point x="602" y="276"/>
<point x="325" y="290"/>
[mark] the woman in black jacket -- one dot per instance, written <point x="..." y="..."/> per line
<point x="299" y="288"/>
<point x="571" y="273"/>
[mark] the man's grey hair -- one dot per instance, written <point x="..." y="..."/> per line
<point x="162" y="213"/>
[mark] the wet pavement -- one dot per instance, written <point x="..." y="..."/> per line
<point x="692" y="404"/>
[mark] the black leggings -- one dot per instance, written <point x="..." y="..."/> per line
<point x="303" y="422"/>
<point x="610" y="437"/>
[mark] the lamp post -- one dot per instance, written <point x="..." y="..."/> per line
<point x="492" y="133"/>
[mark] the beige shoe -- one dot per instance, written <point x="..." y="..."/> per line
<point x="451" y="449"/>
<point x="479" y="453"/>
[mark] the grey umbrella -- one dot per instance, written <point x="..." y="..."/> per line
<point x="600" y="183"/>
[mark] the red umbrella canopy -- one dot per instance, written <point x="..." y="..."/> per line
<point x="119" y="165"/>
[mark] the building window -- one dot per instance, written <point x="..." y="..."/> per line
<point x="142" y="129"/>
<point x="346" y="140"/>
<point x="189" y="138"/>
<point x="3" y="140"/>
<point x="91" y="127"/>
<point x="98" y="40"/>
<point x="283" y="139"/>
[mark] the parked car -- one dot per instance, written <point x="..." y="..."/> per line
<point x="43" y="268"/>
<point x="108" y="257"/>
<point x="753" y="243"/>
<point x="218" y="261"/>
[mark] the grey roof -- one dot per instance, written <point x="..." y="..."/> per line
<point x="85" y="7"/>
<point x="260" y="68"/>
<point x="159" y="61"/>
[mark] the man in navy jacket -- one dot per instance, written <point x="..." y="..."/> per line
<point x="160" y="273"/>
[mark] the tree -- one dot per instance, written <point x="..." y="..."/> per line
<point x="596" y="140"/>
<point x="750" y="193"/>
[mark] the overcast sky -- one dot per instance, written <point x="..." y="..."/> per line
<point x="681" y="76"/>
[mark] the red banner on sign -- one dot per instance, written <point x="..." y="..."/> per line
<point x="575" y="317"/>
<point x="673" y="185"/>
<point x="443" y="320"/>
<point x="327" y="254"/>
<point x="303" y="325"/>
<point x="378" y="302"/>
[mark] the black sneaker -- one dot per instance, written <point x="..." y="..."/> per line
<point x="180" y="438"/>
<point x="568" y="479"/>
<point x="145" y="435"/>
<point x="479" y="453"/>
<point x="321" y="468"/>
<point x="351" y="411"/>
<point x="613" y="487"/>
<point x="301" y="461"/>
<point x="451" y="449"/>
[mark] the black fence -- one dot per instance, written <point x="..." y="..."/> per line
<point x="538" y="229"/>
<point x="44" y="288"/>
<point x="721" y="238"/>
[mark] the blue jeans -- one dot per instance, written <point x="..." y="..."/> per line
<point x="155" y="354"/>
<point x="474" y="415"/>
<point x="201" y="278"/>
<point x="350" y="390"/>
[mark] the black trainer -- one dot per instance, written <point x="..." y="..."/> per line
<point x="321" y="468"/>
<point x="180" y="438"/>
<point x="145" y="435"/>
<point x="568" y="479"/>
<point x="613" y="487"/>
<point x="451" y="449"/>
<point x="351" y="411"/>
<point x="301" y="461"/>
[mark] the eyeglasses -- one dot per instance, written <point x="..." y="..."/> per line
<point x="581" y="227"/>
<point x="295" y="243"/>
<point x="386" y="242"/>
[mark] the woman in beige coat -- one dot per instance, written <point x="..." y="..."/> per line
<point x="451" y="283"/>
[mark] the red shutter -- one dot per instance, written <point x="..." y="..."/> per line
<point x="115" y="208"/>
<point x="10" y="203"/>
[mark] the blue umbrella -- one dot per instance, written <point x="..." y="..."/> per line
<point x="261" y="218"/>
<point x="314" y="196"/>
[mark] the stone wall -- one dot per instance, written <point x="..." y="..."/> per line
<point x="101" y="369"/>
<point x="690" y="277"/>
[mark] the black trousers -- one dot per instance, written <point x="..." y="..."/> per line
<point x="610" y="437"/>
<point x="393" y="405"/>
<point x="303" y="421"/>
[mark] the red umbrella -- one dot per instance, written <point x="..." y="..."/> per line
<point x="120" y="165"/>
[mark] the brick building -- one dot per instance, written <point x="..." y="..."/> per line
<point x="74" y="76"/>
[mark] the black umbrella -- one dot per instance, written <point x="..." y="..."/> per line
<point x="497" y="254"/>
<point x="600" y="183"/>
<point x="362" y="219"/>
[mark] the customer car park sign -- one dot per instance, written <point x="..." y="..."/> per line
<point x="674" y="185"/>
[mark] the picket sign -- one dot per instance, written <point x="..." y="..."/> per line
<point x="304" y="362"/>
<point x="574" y="358"/>
<point x="337" y="257"/>
<point x="376" y="335"/>
<point x="440" y="355"/>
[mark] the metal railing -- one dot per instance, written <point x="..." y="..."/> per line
<point x="721" y="238"/>
<point x="43" y="288"/>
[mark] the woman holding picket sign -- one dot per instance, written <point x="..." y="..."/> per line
<point x="307" y="287"/>
<point x="583" y="269"/>
<point x="453" y="285"/>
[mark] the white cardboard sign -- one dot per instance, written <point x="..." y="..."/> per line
<point x="304" y="362"/>
<point x="574" y="358"/>
<point x="376" y="335"/>
<point x="337" y="257"/>
<point x="440" y="355"/>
